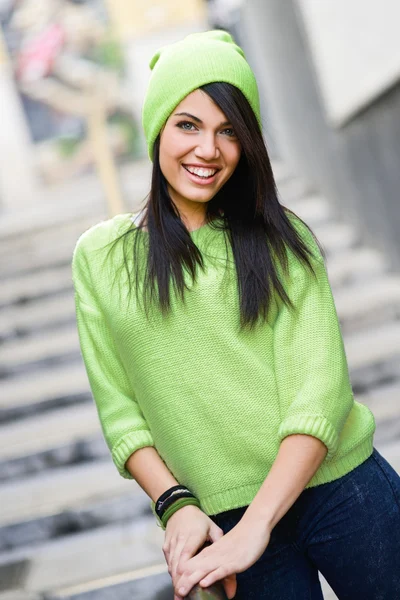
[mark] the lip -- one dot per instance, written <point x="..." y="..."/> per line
<point x="199" y="166"/>
<point x="195" y="179"/>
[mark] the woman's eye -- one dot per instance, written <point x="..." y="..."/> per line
<point x="183" y="124"/>
<point x="232" y="133"/>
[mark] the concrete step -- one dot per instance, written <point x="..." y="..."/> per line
<point x="384" y="402"/>
<point x="291" y="190"/>
<point x="151" y="583"/>
<point x="373" y="346"/>
<point x="52" y="247"/>
<point x="336" y="237"/>
<point x="313" y="209"/>
<point x="54" y="459"/>
<point x="49" y="345"/>
<point x="49" y="430"/>
<point x="52" y="492"/>
<point x="19" y="595"/>
<point x="281" y="171"/>
<point x="35" y="285"/>
<point x="48" y="235"/>
<point x="368" y="303"/>
<point x="385" y="405"/>
<point x="89" y="556"/>
<point x="44" y="313"/>
<point x="355" y="265"/>
<point x="43" y="386"/>
<point x="38" y="258"/>
<point x="75" y="198"/>
<point x="95" y="515"/>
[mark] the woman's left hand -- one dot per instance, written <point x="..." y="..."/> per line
<point x="235" y="552"/>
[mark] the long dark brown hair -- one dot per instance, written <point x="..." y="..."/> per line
<point x="256" y="224"/>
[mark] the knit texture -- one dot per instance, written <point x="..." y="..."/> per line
<point x="216" y="402"/>
<point x="180" y="68"/>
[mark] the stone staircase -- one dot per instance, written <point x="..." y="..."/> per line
<point x="70" y="526"/>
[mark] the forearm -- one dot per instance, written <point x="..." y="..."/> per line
<point x="298" y="459"/>
<point x="149" y="470"/>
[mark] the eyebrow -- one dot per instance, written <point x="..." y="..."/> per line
<point x="185" y="114"/>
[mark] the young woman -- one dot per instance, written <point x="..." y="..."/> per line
<point x="216" y="362"/>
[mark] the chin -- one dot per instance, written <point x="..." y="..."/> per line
<point x="199" y="196"/>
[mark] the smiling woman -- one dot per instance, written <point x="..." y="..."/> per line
<point x="197" y="157"/>
<point x="229" y="399"/>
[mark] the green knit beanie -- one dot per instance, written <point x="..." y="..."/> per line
<point x="180" y="68"/>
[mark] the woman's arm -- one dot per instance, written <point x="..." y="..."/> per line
<point x="147" y="467"/>
<point x="298" y="459"/>
<point x="188" y="528"/>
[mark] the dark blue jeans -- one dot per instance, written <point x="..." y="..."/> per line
<point x="348" y="529"/>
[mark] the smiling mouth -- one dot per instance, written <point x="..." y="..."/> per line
<point x="201" y="177"/>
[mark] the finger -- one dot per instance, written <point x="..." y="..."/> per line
<point x="186" y="583"/>
<point x="191" y="548"/>
<point x="230" y="585"/>
<point x="213" y="576"/>
<point x="175" y="557"/>
<point x="215" y="533"/>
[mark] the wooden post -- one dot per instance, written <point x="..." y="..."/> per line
<point x="105" y="164"/>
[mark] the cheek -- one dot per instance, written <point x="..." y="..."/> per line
<point x="174" y="145"/>
<point x="232" y="156"/>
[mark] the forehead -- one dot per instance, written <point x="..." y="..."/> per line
<point x="199" y="104"/>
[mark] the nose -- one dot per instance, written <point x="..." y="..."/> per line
<point x="207" y="148"/>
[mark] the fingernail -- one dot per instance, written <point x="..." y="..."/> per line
<point x="182" y="591"/>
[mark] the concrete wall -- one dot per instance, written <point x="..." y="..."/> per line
<point x="355" y="164"/>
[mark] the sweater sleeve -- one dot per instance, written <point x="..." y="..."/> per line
<point x="311" y="368"/>
<point x="123" y="424"/>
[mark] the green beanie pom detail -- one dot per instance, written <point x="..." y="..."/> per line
<point x="180" y="68"/>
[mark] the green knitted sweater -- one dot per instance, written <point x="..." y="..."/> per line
<point x="213" y="401"/>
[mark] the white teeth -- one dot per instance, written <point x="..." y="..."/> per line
<point x="201" y="172"/>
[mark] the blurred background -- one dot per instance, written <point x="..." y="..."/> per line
<point x="72" y="79"/>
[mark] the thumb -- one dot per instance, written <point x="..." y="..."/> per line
<point x="215" y="533"/>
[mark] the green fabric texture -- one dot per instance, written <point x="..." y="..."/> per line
<point x="180" y="68"/>
<point x="213" y="401"/>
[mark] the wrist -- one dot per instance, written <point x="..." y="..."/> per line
<point x="185" y="510"/>
<point x="260" y="519"/>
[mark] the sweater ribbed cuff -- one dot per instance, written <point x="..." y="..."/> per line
<point x="316" y="426"/>
<point x="126" y="446"/>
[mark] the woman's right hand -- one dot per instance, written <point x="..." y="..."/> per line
<point x="187" y="531"/>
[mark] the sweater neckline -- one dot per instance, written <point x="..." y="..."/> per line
<point x="135" y="217"/>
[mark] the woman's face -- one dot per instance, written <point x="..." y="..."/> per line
<point x="198" y="151"/>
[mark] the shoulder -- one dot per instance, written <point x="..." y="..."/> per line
<point x="92" y="246"/>
<point x="101" y="234"/>
<point x="307" y="236"/>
